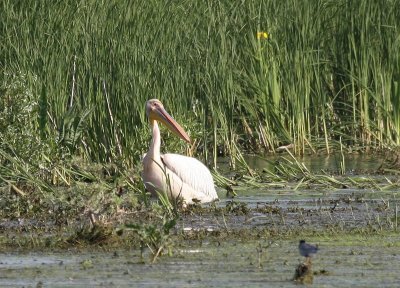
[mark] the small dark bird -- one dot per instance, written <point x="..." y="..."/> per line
<point x="307" y="250"/>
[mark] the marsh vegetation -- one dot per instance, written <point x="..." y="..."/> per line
<point x="322" y="80"/>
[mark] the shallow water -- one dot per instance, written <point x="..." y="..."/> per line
<point x="356" y="260"/>
<point x="354" y="163"/>
<point x="362" y="263"/>
<point x="345" y="260"/>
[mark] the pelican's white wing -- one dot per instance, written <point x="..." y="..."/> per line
<point x="193" y="173"/>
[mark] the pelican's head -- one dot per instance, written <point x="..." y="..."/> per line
<point x="155" y="112"/>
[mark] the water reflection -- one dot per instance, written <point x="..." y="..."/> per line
<point x="316" y="163"/>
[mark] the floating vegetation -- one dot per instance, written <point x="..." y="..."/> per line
<point x="155" y="237"/>
<point x="304" y="274"/>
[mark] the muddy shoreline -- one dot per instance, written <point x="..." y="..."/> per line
<point x="235" y="219"/>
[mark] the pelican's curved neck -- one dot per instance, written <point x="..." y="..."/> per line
<point x="154" y="150"/>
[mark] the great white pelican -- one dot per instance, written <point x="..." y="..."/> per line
<point x="177" y="175"/>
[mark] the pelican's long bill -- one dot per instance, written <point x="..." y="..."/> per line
<point x="160" y="114"/>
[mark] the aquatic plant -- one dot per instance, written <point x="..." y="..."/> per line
<point x="156" y="237"/>
<point x="326" y="70"/>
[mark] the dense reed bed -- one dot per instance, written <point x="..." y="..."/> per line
<point x="75" y="76"/>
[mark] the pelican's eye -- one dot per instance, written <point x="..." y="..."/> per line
<point x="156" y="105"/>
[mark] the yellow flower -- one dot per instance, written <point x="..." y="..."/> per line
<point x="262" y="35"/>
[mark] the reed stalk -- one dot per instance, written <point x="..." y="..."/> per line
<point x="327" y="69"/>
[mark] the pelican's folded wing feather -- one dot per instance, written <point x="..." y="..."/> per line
<point x="192" y="172"/>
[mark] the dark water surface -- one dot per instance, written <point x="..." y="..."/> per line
<point x="354" y="163"/>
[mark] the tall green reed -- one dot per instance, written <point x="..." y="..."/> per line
<point x="329" y="70"/>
